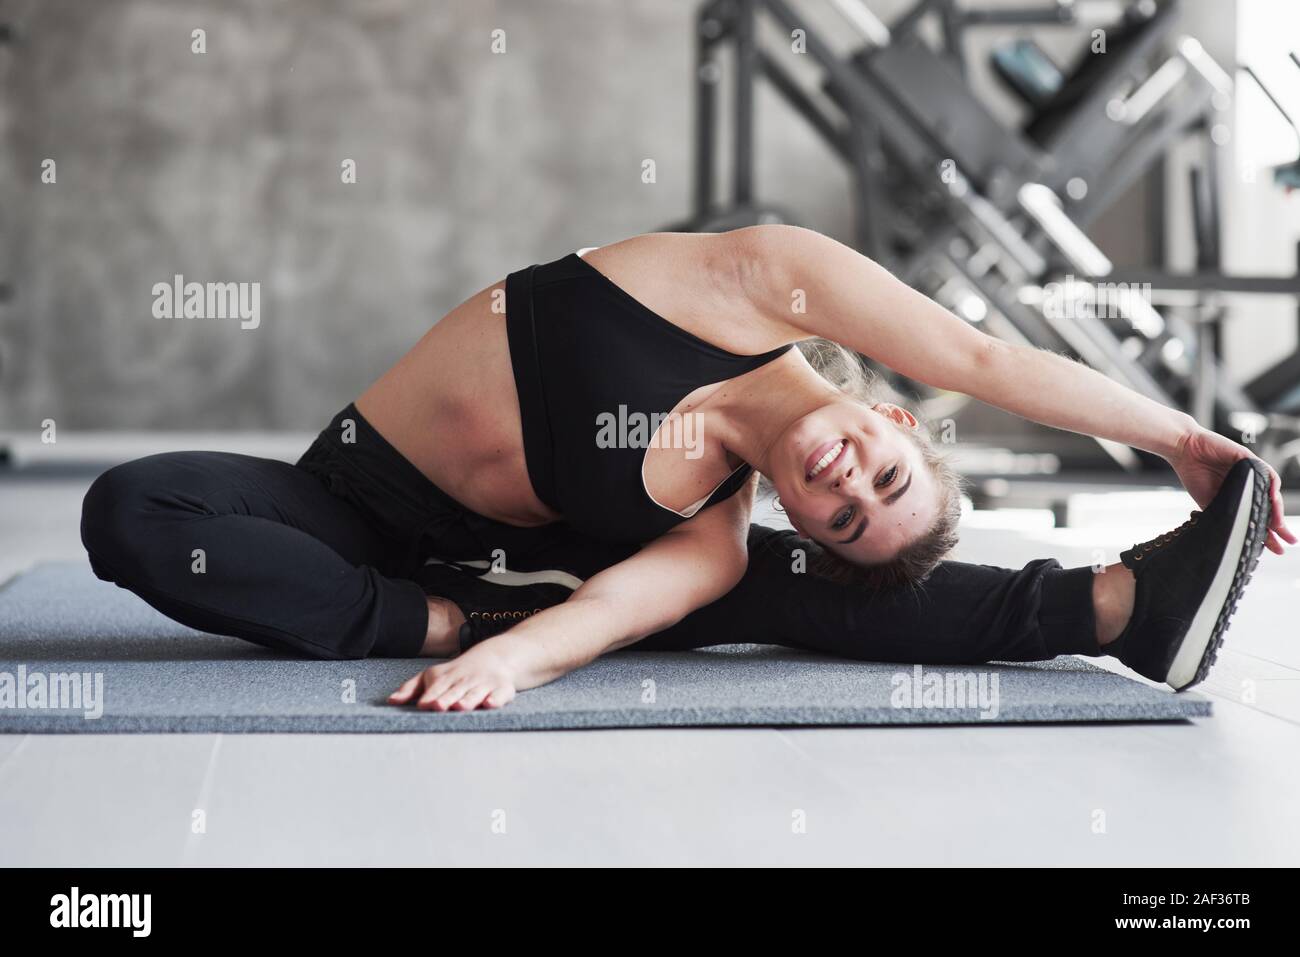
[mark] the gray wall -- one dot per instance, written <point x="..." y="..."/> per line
<point x="226" y="167"/>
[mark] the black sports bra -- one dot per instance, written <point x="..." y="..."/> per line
<point x="597" y="374"/>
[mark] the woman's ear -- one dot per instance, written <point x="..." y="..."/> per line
<point x="897" y="413"/>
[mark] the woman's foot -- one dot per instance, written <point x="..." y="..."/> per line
<point x="491" y="601"/>
<point x="1113" y="589"/>
<point x="1186" y="583"/>
<point x="442" y="639"/>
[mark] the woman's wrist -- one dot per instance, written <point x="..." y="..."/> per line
<point x="1184" y="428"/>
<point x="523" y="659"/>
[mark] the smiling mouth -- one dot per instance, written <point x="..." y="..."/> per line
<point x="823" y="458"/>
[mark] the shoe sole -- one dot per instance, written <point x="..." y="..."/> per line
<point x="506" y="577"/>
<point x="1200" y="645"/>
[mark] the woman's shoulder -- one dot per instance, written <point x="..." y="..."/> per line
<point x="708" y="284"/>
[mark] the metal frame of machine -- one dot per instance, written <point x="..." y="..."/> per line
<point x="944" y="192"/>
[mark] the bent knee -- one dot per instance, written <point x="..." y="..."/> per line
<point x="121" y="504"/>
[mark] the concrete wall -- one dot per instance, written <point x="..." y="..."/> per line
<point x="225" y="166"/>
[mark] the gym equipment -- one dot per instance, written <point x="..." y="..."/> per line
<point x="991" y="219"/>
<point x="1029" y="71"/>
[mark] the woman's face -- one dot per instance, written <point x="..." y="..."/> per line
<point x="850" y="479"/>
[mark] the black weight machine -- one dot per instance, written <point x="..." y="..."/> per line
<point x="990" y="219"/>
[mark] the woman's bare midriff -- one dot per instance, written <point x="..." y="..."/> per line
<point x="450" y="407"/>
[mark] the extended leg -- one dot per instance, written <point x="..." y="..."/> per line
<point x="1162" y="610"/>
<point x="962" y="614"/>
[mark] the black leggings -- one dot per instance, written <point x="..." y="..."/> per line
<point x="317" y="559"/>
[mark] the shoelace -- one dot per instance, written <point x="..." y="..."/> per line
<point x="1161" y="540"/>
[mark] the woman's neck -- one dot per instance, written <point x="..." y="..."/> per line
<point x="759" y="409"/>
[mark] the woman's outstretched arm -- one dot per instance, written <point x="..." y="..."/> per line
<point x="690" y="566"/>
<point x="854" y="301"/>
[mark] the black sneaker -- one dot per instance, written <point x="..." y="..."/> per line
<point x="493" y="601"/>
<point x="1189" y="581"/>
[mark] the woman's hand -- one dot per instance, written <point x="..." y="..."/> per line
<point x="1202" y="461"/>
<point x="480" y="678"/>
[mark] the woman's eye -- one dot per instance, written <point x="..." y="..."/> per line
<point x="842" y="519"/>
<point x="888" y="477"/>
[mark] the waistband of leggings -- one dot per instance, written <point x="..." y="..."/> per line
<point x="376" y="458"/>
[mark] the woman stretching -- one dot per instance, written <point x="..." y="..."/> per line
<point x="562" y="467"/>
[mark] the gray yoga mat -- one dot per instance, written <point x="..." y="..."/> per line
<point x="58" y="621"/>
